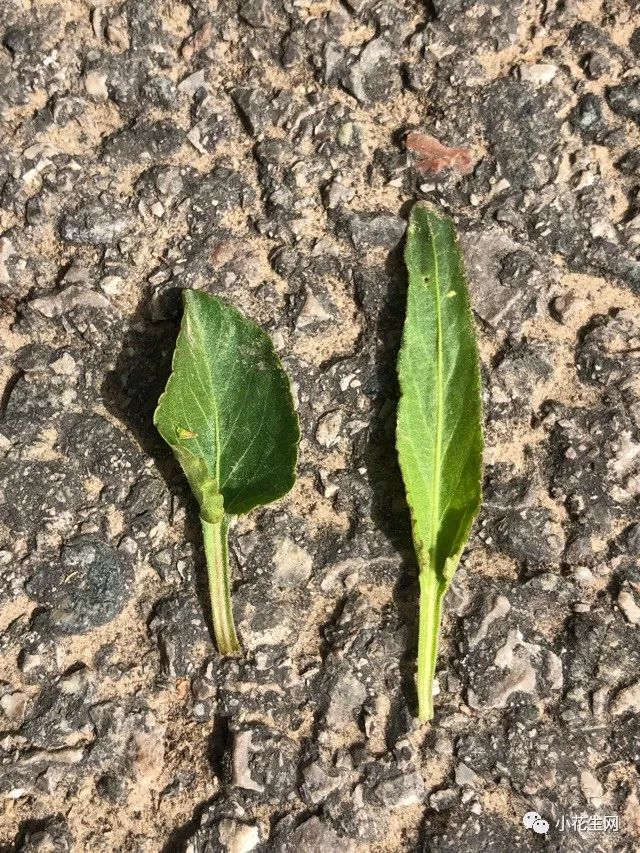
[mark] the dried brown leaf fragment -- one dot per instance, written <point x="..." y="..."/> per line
<point x="435" y="157"/>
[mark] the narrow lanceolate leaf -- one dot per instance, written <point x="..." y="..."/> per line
<point x="228" y="415"/>
<point x="439" y="428"/>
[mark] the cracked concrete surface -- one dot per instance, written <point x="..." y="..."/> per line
<point x="256" y="150"/>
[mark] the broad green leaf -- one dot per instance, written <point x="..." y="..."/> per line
<point x="439" y="426"/>
<point x="228" y="414"/>
<point x="227" y="410"/>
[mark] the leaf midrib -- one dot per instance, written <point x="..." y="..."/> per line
<point x="437" y="450"/>
<point x="199" y="341"/>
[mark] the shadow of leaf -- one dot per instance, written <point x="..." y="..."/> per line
<point x="390" y="513"/>
<point x="130" y="393"/>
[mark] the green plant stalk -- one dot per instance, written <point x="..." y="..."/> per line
<point x="217" y="555"/>
<point x="431" y="594"/>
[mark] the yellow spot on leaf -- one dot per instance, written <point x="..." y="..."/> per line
<point x="451" y="294"/>
<point x="183" y="432"/>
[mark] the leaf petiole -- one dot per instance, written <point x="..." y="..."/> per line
<point x="431" y="594"/>
<point x="217" y="555"/>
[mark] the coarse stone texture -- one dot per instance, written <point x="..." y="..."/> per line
<point x="255" y="150"/>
